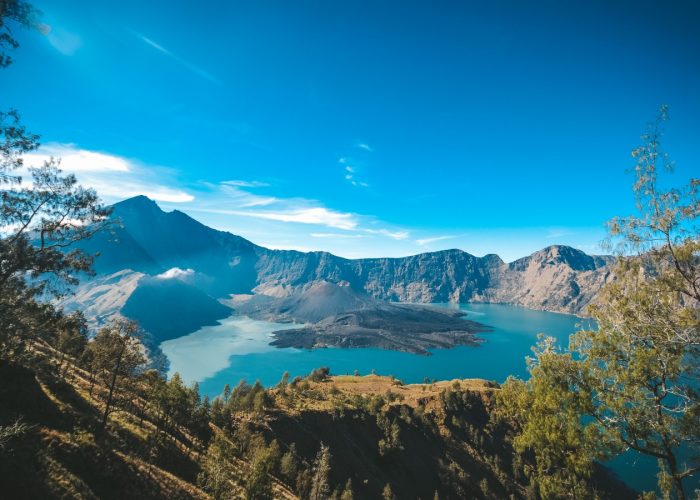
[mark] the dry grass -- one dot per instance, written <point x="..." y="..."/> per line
<point x="412" y="393"/>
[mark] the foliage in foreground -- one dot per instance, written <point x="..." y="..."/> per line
<point x="631" y="385"/>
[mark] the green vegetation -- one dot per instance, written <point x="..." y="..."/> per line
<point x="632" y="383"/>
<point x="86" y="417"/>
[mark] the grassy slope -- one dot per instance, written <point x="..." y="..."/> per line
<point x="61" y="456"/>
<point x="454" y="447"/>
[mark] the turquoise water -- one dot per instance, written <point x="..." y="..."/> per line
<point x="238" y="348"/>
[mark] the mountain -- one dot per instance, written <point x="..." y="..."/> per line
<point x="557" y="278"/>
<point x="170" y="308"/>
<point x="146" y="241"/>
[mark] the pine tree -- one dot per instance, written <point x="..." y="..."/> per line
<point x="320" y="488"/>
<point x="387" y="493"/>
<point x="347" y="493"/>
<point x="117" y="355"/>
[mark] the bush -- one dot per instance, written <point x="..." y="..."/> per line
<point x="320" y="374"/>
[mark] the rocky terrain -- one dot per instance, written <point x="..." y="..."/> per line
<point x="335" y="315"/>
<point x="214" y="265"/>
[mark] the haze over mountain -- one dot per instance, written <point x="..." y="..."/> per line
<point x="171" y="263"/>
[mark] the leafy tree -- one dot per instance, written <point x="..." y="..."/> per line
<point x="21" y="13"/>
<point x="387" y="493"/>
<point x="72" y="338"/>
<point x="347" y="493"/>
<point x="632" y="384"/>
<point x="547" y="414"/>
<point x="39" y="222"/>
<point x="284" y="381"/>
<point x="117" y="356"/>
<point x="289" y="464"/>
<point x="216" y="477"/>
<point x="320" y="488"/>
<point x="258" y="483"/>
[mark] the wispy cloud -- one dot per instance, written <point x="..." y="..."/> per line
<point x="337" y="235"/>
<point x="318" y="216"/>
<point x="233" y="205"/>
<point x="113" y="177"/>
<point x="248" y="184"/>
<point x="350" y="173"/>
<point x="394" y="235"/>
<point x="558" y="232"/>
<point x="427" y="241"/>
<point x="190" y="66"/>
<point x="364" y="146"/>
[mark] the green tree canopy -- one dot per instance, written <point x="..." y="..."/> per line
<point x="632" y="383"/>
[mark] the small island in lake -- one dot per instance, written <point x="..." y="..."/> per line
<point x="333" y="314"/>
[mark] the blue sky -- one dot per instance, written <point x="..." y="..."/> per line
<point x="373" y="128"/>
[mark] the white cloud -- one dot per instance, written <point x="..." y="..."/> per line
<point x="318" y="215"/>
<point x="394" y="235"/>
<point x="248" y="184"/>
<point x="364" y="146"/>
<point x="352" y="171"/>
<point x="113" y="177"/>
<point x="336" y="235"/>
<point x="74" y="159"/>
<point x="175" y="273"/>
<point x="427" y="241"/>
<point x="244" y="199"/>
<point x="229" y="205"/>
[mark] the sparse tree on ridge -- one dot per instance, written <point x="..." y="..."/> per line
<point x="632" y="384"/>
<point x="117" y="356"/>
<point x="320" y="488"/>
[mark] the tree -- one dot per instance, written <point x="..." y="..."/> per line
<point x="547" y="415"/>
<point x="39" y="223"/>
<point x="23" y="14"/>
<point x="319" y="374"/>
<point x="320" y="488"/>
<point x="216" y="477"/>
<point x="117" y="356"/>
<point x="289" y="464"/>
<point x="632" y="383"/>
<point x="387" y="493"/>
<point x="72" y="338"/>
<point x="258" y="483"/>
<point x="347" y="493"/>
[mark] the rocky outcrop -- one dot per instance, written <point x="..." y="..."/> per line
<point x="557" y="278"/>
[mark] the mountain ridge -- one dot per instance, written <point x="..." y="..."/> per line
<point x="149" y="241"/>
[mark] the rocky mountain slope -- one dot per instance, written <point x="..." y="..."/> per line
<point x="333" y="314"/>
<point x="146" y="242"/>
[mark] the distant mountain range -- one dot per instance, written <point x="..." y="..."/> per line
<point x="174" y="274"/>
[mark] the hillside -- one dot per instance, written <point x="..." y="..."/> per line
<point x="418" y="439"/>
